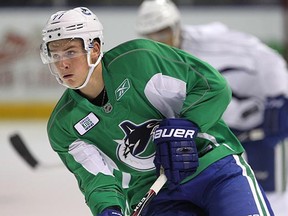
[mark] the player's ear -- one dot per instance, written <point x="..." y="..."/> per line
<point x="95" y="51"/>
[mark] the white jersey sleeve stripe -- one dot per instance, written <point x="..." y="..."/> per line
<point x="89" y="157"/>
<point x="166" y="93"/>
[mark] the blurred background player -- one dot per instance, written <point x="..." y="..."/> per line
<point x="257" y="75"/>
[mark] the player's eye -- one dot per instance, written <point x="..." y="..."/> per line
<point x="55" y="57"/>
<point x="70" y="54"/>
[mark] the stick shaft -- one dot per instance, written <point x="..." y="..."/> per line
<point x="153" y="191"/>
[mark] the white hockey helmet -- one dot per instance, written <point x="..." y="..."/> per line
<point x="154" y="15"/>
<point x="80" y="23"/>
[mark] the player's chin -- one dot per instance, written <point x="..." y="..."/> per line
<point x="71" y="83"/>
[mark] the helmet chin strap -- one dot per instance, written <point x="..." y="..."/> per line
<point x="90" y="72"/>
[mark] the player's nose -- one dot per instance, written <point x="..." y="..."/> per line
<point x="63" y="64"/>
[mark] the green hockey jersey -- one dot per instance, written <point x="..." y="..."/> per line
<point x="109" y="149"/>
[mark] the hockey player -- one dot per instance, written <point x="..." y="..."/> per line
<point x="103" y="124"/>
<point x="257" y="75"/>
<point x="254" y="71"/>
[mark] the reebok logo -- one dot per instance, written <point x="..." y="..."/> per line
<point x="122" y="89"/>
<point x="177" y="133"/>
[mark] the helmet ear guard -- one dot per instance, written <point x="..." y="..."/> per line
<point x="80" y="23"/>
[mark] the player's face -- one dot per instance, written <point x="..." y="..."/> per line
<point x="69" y="60"/>
<point x="163" y="36"/>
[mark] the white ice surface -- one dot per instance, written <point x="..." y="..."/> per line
<point x="40" y="192"/>
<point x="51" y="191"/>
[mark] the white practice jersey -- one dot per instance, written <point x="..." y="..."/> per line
<point x="253" y="70"/>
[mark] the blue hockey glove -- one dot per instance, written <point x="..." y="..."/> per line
<point x="176" y="150"/>
<point x="276" y="117"/>
<point x="110" y="212"/>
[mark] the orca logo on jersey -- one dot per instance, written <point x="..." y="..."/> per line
<point x="172" y="132"/>
<point x="134" y="149"/>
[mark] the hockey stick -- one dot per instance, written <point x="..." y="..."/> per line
<point x="253" y="135"/>
<point x="21" y="148"/>
<point x="153" y="191"/>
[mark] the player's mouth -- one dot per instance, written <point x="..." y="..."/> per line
<point x="67" y="76"/>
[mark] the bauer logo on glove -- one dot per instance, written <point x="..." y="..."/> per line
<point x="172" y="132"/>
<point x="176" y="150"/>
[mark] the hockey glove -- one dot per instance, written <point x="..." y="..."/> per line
<point x="176" y="150"/>
<point x="276" y="117"/>
<point x="110" y="212"/>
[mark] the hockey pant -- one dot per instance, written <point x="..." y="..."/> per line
<point x="227" y="187"/>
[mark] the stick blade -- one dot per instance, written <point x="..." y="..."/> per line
<point x="20" y="147"/>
